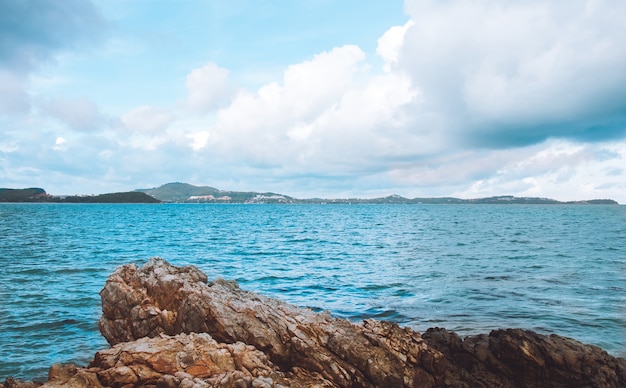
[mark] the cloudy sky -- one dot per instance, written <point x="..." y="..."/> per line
<point x="316" y="98"/>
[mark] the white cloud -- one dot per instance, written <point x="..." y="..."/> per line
<point x="472" y="99"/>
<point x="365" y="126"/>
<point x="8" y="147"/>
<point x="557" y="169"/>
<point x="60" y="144"/>
<point x="199" y="139"/>
<point x="147" y="119"/>
<point x="80" y="114"/>
<point x="391" y="43"/>
<point x="208" y="88"/>
<point x="520" y="72"/>
<point x="307" y="89"/>
<point x="328" y="116"/>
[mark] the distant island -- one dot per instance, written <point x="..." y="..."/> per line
<point x="39" y="195"/>
<point x="186" y="193"/>
<point x="178" y="192"/>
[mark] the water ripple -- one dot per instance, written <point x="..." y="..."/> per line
<point x="472" y="268"/>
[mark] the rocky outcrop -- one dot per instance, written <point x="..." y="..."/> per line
<point x="159" y="298"/>
<point x="169" y="327"/>
<point x="522" y="358"/>
<point x="184" y="360"/>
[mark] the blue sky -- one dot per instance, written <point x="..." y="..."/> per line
<point x="316" y="98"/>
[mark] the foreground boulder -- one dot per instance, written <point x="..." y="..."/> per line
<point x="159" y="298"/>
<point x="184" y="360"/>
<point x="169" y="327"/>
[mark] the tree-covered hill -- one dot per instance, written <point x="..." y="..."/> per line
<point x="179" y="192"/>
<point x="125" y="197"/>
<point x="184" y="192"/>
<point x="33" y="194"/>
<point x="40" y="195"/>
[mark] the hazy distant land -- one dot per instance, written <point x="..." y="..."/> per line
<point x="185" y="193"/>
<point x="36" y="194"/>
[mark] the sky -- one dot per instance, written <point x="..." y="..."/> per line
<point x="316" y="98"/>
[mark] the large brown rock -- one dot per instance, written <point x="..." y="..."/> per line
<point x="184" y="360"/>
<point x="160" y="299"/>
<point x="528" y="359"/>
<point x="169" y="327"/>
<point x="192" y="360"/>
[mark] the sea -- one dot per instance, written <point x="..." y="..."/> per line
<point x="468" y="268"/>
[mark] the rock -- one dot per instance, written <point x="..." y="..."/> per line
<point x="169" y="328"/>
<point x="187" y="359"/>
<point x="159" y="299"/>
<point x="15" y="383"/>
<point x="192" y="360"/>
<point x="530" y="359"/>
<point x="336" y="349"/>
<point x="69" y="376"/>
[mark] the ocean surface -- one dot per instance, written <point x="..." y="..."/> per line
<point x="469" y="268"/>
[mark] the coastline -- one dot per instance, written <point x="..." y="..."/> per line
<point x="185" y="193"/>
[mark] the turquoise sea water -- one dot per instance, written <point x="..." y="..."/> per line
<point x="468" y="268"/>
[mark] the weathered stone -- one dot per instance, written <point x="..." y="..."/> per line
<point x="169" y="328"/>
<point x="16" y="383"/>
<point x="69" y="376"/>
<point x="343" y="354"/>
<point x="529" y="359"/>
<point x="185" y="359"/>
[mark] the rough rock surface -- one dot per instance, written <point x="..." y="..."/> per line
<point x="193" y="359"/>
<point x="184" y="360"/>
<point x="169" y="327"/>
<point x="161" y="298"/>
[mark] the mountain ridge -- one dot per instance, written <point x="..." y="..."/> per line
<point x="188" y="193"/>
<point x="178" y="192"/>
<point x="185" y="192"/>
<point x="37" y="194"/>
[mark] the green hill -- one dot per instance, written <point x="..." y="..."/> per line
<point x="125" y="197"/>
<point x="184" y="192"/>
<point x="179" y="192"/>
<point x="33" y="194"/>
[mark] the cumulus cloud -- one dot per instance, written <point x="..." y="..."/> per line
<point x="391" y="43"/>
<point x="558" y="168"/>
<point x="460" y="81"/>
<point x="146" y="119"/>
<point x="8" y="147"/>
<point x="515" y="73"/>
<point x="472" y="99"/>
<point x="208" y="88"/>
<point x="256" y="126"/>
<point x="328" y="115"/>
<point x="60" y="144"/>
<point x="308" y="88"/>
